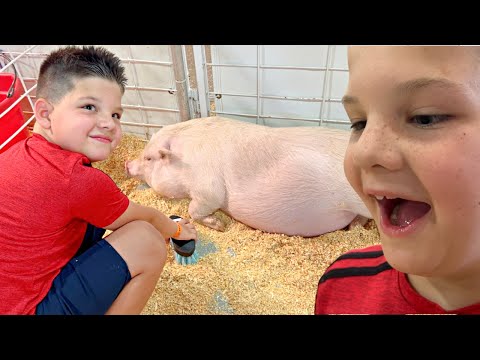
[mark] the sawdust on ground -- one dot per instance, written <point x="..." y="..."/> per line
<point x="247" y="271"/>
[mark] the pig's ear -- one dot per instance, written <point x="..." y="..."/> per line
<point x="164" y="153"/>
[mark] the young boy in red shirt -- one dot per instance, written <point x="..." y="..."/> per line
<point x="55" y="206"/>
<point x="414" y="159"/>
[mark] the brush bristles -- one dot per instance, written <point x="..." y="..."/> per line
<point x="185" y="260"/>
<point x="189" y="260"/>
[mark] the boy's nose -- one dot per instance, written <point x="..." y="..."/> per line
<point x="106" y="121"/>
<point x="377" y="146"/>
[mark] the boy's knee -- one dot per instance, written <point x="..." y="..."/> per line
<point x="145" y="228"/>
<point x="154" y="248"/>
<point x="149" y="237"/>
<point x="141" y="245"/>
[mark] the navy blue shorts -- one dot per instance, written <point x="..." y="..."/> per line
<point x="90" y="282"/>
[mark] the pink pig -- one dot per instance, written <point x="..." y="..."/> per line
<point x="280" y="180"/>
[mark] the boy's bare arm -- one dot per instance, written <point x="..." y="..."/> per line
<point x="162" y="223"/>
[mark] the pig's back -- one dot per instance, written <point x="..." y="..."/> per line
<point x="244" y="153"/>
<point x="268" y="152"/>
<point x="242" y="148"/>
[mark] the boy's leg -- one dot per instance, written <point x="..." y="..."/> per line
<point x="117" y="275"/>
<point x="145" y="255"/>
<point x="90" y="282"/>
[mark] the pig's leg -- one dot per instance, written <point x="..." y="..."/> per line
<point x="358" y="221"/>
<point x="202" y="212"/>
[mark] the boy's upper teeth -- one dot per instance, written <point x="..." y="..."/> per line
<point x="378" y="197"/>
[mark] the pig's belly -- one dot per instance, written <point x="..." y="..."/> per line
<point x="291" y="216"/>
<point x="306" y="194"/>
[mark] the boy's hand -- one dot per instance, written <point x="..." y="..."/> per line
<point x="189" y="232"/>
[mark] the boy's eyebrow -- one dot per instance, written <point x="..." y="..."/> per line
<point x="417" y="84"/>
<point x="348" y="99"/>
<point x="93" y="98"/>
<point x="411" y="86"/>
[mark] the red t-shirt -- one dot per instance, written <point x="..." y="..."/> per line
<point x="362" y="282"/>
<point x="47" y="198"/>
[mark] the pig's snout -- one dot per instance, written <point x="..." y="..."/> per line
<point x="130" y="168"/>
<point x="135" y="169"/>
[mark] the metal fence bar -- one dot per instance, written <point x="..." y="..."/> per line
<point x="180" y="81"/>
<point x="37" y="70"/>
<point x="293" y="98"/>
<point x="20" y="98"/>
<point x="121" y="122"/>
<point x="330" y="79"/>
<point x="147" y="62"/>
<point x="15" y="59"/>
<point x="202" y="79"/>
<point x="17" y="132"/>
<point x="141" y="124"/>
<point x="258" y="82"/>
<point x="136" y="61"/>
<point x="284" y="118"/>
<point x="148" y="108"/>
<point x="325" y="77"/>
<point x="279" y="67"/>
<point x="190" y="94"/>
<point x="146" y="88"/>
<point x="143" y="116"/>
<point x="128" y="87"/>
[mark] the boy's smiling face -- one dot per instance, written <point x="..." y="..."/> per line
<point x="87" y="119"/>
<point x="415" y="115"/>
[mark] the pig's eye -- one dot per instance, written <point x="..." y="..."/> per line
<point x="147" y="158"/>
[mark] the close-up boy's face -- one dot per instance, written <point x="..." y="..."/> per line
<point x="414" y="153"/>
<point x="87" y="119"/>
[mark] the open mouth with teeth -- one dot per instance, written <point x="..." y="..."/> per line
<point x="400" y="212"/>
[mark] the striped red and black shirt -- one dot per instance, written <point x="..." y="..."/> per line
<point x="363" y="282"/>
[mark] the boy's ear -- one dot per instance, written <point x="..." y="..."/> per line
<point x="42" y="111"/>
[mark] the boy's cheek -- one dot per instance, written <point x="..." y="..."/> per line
<point x="117" y="139"/>
<point x="351" y="172"/>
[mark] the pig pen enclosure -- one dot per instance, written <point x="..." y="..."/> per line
<point x="241" y="270"/>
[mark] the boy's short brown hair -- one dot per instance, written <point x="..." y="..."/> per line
<point x="64" y="66"/>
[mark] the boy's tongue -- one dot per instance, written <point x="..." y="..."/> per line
<point x="405" y="212"/>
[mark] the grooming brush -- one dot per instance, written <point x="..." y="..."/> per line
<point x="185" y="253"/>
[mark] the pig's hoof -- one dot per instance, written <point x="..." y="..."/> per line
<point x="143" y="186"/>
<point x="359" y="221"/>
<point x="213" y="223"/>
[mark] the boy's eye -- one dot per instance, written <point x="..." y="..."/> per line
<point x="89" y="107"/>
<point x="428" y="120"/>
<point x="358" y="125"/>
<point x="117" y="116"/>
